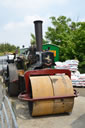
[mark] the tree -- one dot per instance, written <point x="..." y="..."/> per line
<point x="80" y="44"/>
<point x="60" y="34"/>
<point x="33" y="40"/>
<point x="6" y="48"/>
<point x="69" y="36"/>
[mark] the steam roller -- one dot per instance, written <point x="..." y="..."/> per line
<point x="49" y="91"/>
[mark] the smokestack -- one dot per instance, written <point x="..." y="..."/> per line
<point x="38" y="34"/>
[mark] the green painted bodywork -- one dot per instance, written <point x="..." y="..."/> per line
<point x="52" y="48"/>
<point x="46" y="47"/>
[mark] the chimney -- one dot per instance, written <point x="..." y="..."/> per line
<point x="38" y="34"/>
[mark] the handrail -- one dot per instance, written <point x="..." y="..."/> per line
<point x="4" y="115"/>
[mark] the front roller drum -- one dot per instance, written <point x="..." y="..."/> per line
<point x="51" y="86"/>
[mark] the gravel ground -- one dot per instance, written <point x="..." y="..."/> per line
<point x="81" y="91"/>
<point x="75" y="120"/>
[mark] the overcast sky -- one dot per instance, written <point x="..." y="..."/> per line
<point x="17" y="16"/>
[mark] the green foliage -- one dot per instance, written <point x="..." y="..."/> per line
<point x="33" y="40"/>
<point x="7" y="48"/>
<point x="69" y="36"/>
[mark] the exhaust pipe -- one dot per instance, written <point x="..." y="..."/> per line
<point x="38" y="34"/>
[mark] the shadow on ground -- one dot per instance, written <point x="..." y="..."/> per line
<point x="79" y="123"/>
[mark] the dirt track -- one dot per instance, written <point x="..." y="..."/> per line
<point x="81" y="91"/>
<point x="75" y="120"/>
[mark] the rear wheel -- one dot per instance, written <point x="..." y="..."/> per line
<point x="13" y="85"/>
<point x="13" y="89"/>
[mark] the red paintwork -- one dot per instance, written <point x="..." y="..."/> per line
<point x="43" y="72"/>
<point x="26" y="97"/>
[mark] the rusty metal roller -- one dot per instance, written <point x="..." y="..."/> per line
<point x="51" y="86"/>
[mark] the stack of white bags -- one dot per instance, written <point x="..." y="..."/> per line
<point x="82" y="80"/>
<point x="77" y="78"/>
